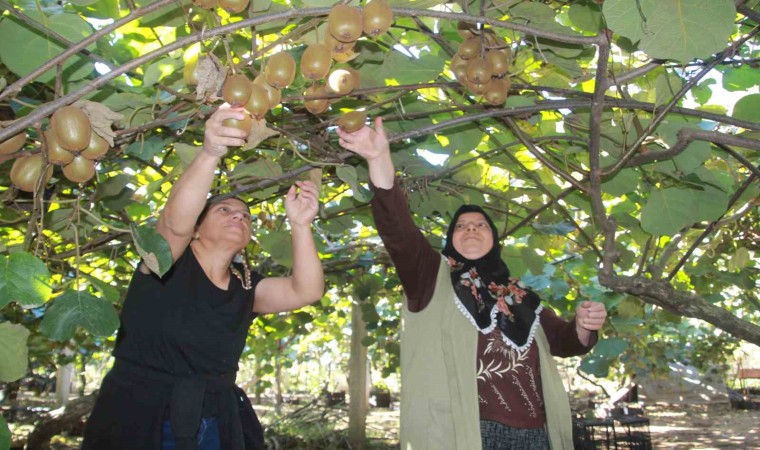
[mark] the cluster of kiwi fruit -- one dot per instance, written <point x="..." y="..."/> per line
<point x="263" y="93"/>
<point x="345" y="25"/>
<point x="481" y="63"/>
<point x="69" y="142"/>
<point x="231" y="6"/>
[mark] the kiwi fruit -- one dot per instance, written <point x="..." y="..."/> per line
<point x="273" y="93"/>
<point x="72" y="128"/>
<point x="345" y="23"/>
<point x="352" y="121"/>
<point x="466" y="30"/>
<point x="97" y="149"/>
<point x="475" y="88"/>
<point x="234" y="6"/>
<point x="236" y="90"/>
<point x="459" y="67"/>
<point x="470" y="48"/>
<point x="499" y="62"/>
<point x="258" y="102"/>
<point x="318" y="105"/>
<point x="337" y="46"/>
<point x="55" y="153"/>
<point x="341" y="81"/>
<point x="207" y="4"/>
<point x="13" y="144"/>
<point x="80" y="170"/>
<point x="245" y="124"/>
<point x="497" y="92"/>
<point x="316" y="61"/>
<point x="377" y="18"/>
<point x="280" y="70"/>
<point x="479" y="70"/>
<point x="26" y="171"/>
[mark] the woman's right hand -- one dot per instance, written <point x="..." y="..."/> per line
<point x="372" y="145"/>
<point x="218" y="137"/>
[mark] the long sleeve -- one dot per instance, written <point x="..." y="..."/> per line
<point x="415" y="259"/>
<point x="562" y="337"/>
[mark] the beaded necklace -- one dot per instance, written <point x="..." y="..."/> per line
<point x="245" y="282"/>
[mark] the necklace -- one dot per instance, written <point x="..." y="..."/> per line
<point x="245" y="282"/>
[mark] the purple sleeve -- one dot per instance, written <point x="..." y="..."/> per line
<point x="415" y="259"/>
<point x="562" y="337"/>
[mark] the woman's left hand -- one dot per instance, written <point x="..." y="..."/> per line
<point x="590" y="315"/>
<point x="302" y="206"/>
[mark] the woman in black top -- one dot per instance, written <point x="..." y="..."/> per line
<point x="172" y="385"/>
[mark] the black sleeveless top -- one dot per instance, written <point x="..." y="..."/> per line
<point x="176" y="356"/>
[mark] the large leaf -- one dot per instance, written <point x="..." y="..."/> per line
<point x="669" y="210"/>
<point x="748" y="108"/>
<point x="24" y="279"/>
<point x="348" y="175"/>
<point x="153" y="248"/>
<point x="673" y="29"/>
<point x="13" y="352"/>
<point x="23" y="50"/>
<point x="279" y="245"/>
<point x="409" y="70"/>
<point x="74" y="309"/>
<point x="5" y="434"/>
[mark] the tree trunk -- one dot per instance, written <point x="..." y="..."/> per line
<point x="357" y="382"/>
<point x="63" y="384"/>
<point x="278" y="382"/>
<point x="56" y="421"/>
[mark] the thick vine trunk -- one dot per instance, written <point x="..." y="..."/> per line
<point x="56" y="421"/>
<point x="357" y="382"/>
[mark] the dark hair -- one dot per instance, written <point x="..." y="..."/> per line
<point x="213" y="201"/>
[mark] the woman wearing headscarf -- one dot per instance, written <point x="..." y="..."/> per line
<point x="172" y="385"/>
<point x="476" y="347"/>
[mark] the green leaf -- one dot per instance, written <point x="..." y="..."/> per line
<point x="187" y="152"/>
<point x="14" y="357"/>
<point x="147" y="149"/>
<point x="666" y="87"/>
<point x="587" y="17"/>
<point x="153" y="248"/>
<point x="23" y="50"/>
<point x="669" y="210"/>
<point x="262" y="169"/>
<point x="409" y="70"/>
<point x="279" y="245"/>
<point x="559" y="228"/>
<point x="680" y="30"/>
<point x="24" y="279"/>
<point x="348" y="175"/>
<point x="611" y="347"/>
<point x="5" y="434"/>
<point x="595" y="365"/>
<point x="78" y="309"/>
<point x="159" y="70"/>
<point x="748" y="108"/>
<point x="109" y="292"/>
<point x="740" y="78"/>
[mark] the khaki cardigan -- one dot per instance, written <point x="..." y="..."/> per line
<point x="439" y="393"/>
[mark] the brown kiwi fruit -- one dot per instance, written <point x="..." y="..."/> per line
<point x="234" y="6"/>
<point x="316" y="61"/>
<point x="352" y="121"/>
<point x="236" y="90"/>
<point x="341" y="81"/>
<point x="377" y="18"/>
<point x="72" y="128"/>
<point x="466" y="30"/>
<point x="13" y="144"/>
<point x="245" y="124"/>
<point x="97" y="149"/>
<point x="499" y="62"/>
<point x="207" y="4"/>
<point x="26" y="171"/>
<point x="497" y="92"/>
<point x="273" y="93"/>
<point x="345" y="23"/>
<point x="479" y="70"/>
<point x="317" y="105"/>
<point x="337" y="46"/>
<point x="477" y="89"/>
<point x="80" y="170"/>
<point x="280" y="70"/>
<point x="470" y="48"/>
<point x="55" y="153"/>
<point x="459" y="67"/>
<point x="258" y="102"/>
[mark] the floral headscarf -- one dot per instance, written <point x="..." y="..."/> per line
<point x="486" y="293"/>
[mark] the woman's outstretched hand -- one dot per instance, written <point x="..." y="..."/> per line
<point x="218" y="137"/>
<point x="372" y="145"/>
<point x="302" y="203"/>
